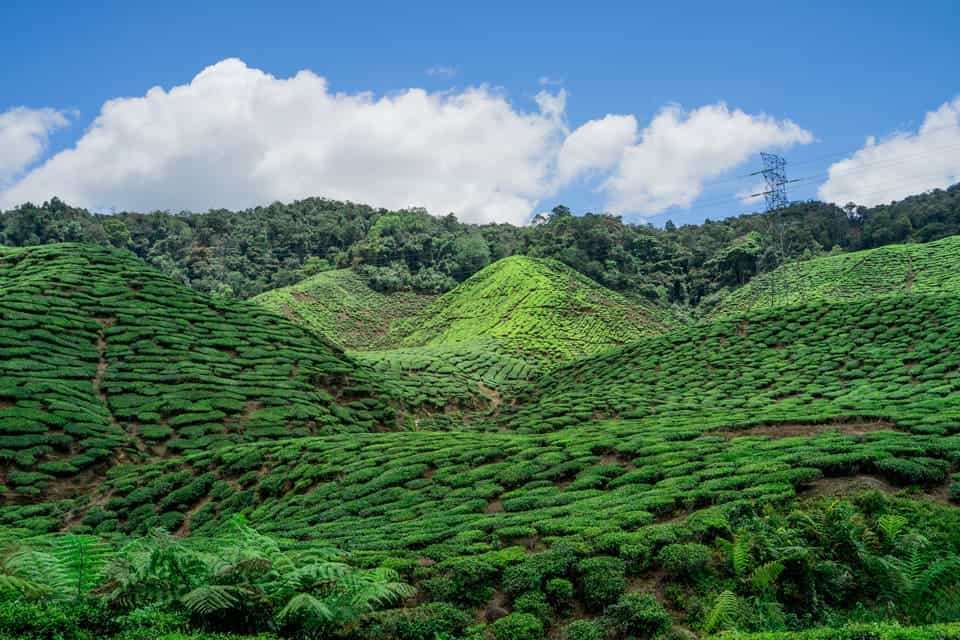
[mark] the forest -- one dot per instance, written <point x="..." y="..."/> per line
<point x="243" y="253"/>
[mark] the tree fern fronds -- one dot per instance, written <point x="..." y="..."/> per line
<point x="209" y="599"/>
<point x="891" y="525"/>
<point x="42" y="568"/>
<point x="305" y="606"/>
<point x="765" y="576"/>
<point x="740" y="557"/>
<point x="22" y="587"/>
<point x="724" y="614"/>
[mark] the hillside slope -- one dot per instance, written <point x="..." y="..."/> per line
<point x="894" y="357"/>
<point x="102" y="358"/>
<point x="538" y="307"/>
<point x="341" y="306"/>
<point x="890" y="270"/>
<point x="678" y="466"/>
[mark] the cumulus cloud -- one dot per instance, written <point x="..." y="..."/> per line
<point x="598" y="145"/>
<point x="679" y="150"/>
<point x="23" y="137"/>
<point x="237" y="137"/>
<point x="902" y="164"/>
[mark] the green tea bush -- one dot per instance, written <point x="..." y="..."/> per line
<point x="584" y="630"/>
<point x="55" y="621"/>
<point x="637" y="615"/>
<point x="517" y="626"/>
<point x="425" y="621"/>
<point x="534" y="603"/>
<point x="686" y="561"/>
<point x="559" y="591"/>
<point x="603" y="580"/>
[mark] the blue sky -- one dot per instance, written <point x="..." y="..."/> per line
<point x="840" y="71"/>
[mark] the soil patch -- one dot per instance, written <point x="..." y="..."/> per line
<point x="491" y="394"/>
<point x="494" y="506"/>
<point x="847" y="485"/>
<point x="620" y="459"/>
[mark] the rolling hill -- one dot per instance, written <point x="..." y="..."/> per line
<point x="693" y="479"/>
<point x="341" y="306"/>
<point x="104" y="359"/>
<point x="894" y="358"/>
<point x="889" y="270"/>
<point x="534" y="306"/>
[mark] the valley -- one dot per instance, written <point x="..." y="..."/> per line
<point x="525" y="454"/>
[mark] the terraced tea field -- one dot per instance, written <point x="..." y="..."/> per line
<point x="476" y="373"/>
<point x="894" y="358"/>
<point x="339" y="305"/>
<point x="536" y="307"/>
<point x="103" y="359"/>
<point x="890" y="270"/>
<point x="773" y="469"/>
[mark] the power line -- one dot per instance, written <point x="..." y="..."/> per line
<point x="808" y="161"/>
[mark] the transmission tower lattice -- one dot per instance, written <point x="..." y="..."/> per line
<point x="774" y="173"/>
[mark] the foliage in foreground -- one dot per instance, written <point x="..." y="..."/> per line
<point x="856" y="564"/>
<point x="239" y="581"/>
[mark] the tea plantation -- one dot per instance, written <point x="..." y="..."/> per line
<point x="540" y="458"/>
<point x="103" y="359"/>
<point x="537" y="307"/>
<point x="341" y="306"/>
<point x="890" y="270"/>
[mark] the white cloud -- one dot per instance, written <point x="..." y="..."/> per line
<point x="598" y="145"/>
<point x="23" y="137"/>
<point x="901" y="165"/>
<point x="679" y="150"/>
<point x="442" y="70"/>
<point x="236" y="137"/>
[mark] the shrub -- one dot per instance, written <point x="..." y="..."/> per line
<point x="559" y="590"/>
<point x="638" y="614"/>
<point x="955" y="492"/>
<point x="583" y="630"/>
<point x="684" y="560"/>
<point x="61" y="621"/>
<point x="534" y="603"/>
<point x="603" y="580"/>
<point x="518" y="626"/>
<point x="520" y="578"/>
<point x="435" y="619"/>
<point x="471" y="579"/>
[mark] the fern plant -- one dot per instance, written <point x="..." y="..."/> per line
<point x="244" y="581"/>
<point x="724" y="613"/>
<point x="57" y="568"/>
<point x="922" y="584"/>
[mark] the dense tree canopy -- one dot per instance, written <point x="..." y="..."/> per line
<point x="242" y="253"/>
